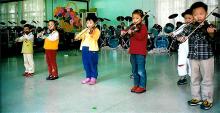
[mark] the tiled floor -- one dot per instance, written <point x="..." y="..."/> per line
<point x="110" y="95"/>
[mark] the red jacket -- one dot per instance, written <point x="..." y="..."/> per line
<point x="138" y="42"/>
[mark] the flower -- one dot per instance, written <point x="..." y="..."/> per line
<point x="68" y="15"/>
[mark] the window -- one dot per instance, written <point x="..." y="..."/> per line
<point x="34" y="12"/>
<point x="8" y="13"/>
<point x="164" y="8"/>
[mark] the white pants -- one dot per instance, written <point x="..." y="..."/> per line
<point x="28" y="63"/>
<point x="183" y="66"/>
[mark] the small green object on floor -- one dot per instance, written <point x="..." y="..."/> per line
<point x="94" y="108"/>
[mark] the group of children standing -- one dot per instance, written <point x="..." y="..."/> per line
<point x="51" y="42"/>
<point x="195" y="52"/>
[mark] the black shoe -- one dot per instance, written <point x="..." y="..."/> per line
<point x="131" y="76"/>
<point x="54" y="77"/>
<point x="194" y="102"/>
<point x="206" y="105"/>
<point x="182" y="81"/>
<point x="49" y="77"/>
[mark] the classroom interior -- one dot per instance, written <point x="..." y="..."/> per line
<point x="111" y="93"/>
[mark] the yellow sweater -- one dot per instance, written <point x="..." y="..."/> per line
<point x="90" y="40"/>
<point x="27" y="46"/>
<point x="51" y="42"/>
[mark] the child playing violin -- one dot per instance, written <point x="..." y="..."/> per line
<point x="138" y="43"/>
<point x="51" y="46"/>
<point x="27" y="50"/>
<point x="183" y="61"/>
<point x="201" y="57"/>
<point x="89" y="47"/>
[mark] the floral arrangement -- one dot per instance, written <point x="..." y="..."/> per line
<point x="67" y="15"/>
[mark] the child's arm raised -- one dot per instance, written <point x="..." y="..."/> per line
<point x="80" y="35"/>
<point x="29" y="37"/>
<point x="20" y="39"/>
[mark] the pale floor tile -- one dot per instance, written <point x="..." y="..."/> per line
<point x="110" y="95"/>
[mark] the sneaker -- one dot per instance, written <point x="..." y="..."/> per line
<point x="194" y="102"/>
<point x="140" y="90"/>
<point x="206" y="105"/>
<point x="134" y="88"/>
<point x="92" y="81"/>
<point x="85" y="81"/>
<point x="182" y="81"/>
<point x="131" y="76"/>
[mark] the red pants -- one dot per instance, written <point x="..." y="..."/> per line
<point x="51" y="62"/>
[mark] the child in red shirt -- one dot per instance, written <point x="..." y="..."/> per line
<point x="138" y="51"/>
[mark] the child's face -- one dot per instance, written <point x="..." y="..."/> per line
<point x="90" y="23"/>
<point x="188" y="18"/>
<point x="199" y="14"/>
<point x="51" y="25"/>
<point x="136" y="18"/>
<point x="27" y="30"/>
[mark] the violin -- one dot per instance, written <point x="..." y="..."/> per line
<point x="203" y="24"/>
<point x="91" y="30"/>
<point x="134" y="27"/>
<point x="196" y="26"/>
<point x="203" y="27"/>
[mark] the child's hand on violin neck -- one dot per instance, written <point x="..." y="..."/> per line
<point x="211" y="29"/>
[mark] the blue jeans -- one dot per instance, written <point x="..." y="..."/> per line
<point x="138" y="70"/>
<point x="90" y="62"/>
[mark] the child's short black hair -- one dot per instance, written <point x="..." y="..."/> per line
<point x="55" y="23"/>
<point x="92" y="17"/>
<point x="27" y="25"/>
<point x="188" y="11"/>
<point x="138" y="11"/>
<point x="199" y="4"/>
